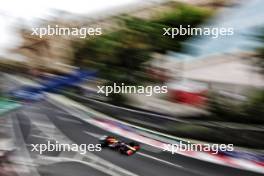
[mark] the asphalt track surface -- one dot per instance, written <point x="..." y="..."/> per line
<point x="148" y="161"/>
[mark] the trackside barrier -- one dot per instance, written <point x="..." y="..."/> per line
<point x="53" y="84"/>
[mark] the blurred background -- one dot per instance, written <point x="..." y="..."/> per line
<point x="48" y="85"/>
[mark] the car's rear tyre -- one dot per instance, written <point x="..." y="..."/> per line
<point x="135" y="145"/>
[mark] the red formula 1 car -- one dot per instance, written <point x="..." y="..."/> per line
<point x="124" y="148"/>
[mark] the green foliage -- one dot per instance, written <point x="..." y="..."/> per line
<point x="119" y="55"/>
<point x="185" y="15"/>
<point x="250" y="112"/>
<point x="255" y="108"/>
<point x="260" y="50"/>
<point x="126" y="50"/>
<point x="182" y="15"/>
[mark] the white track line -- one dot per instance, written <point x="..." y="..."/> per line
<point x="160" y="160"/>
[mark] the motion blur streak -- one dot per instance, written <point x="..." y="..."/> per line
<point x="134" y="77"/>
